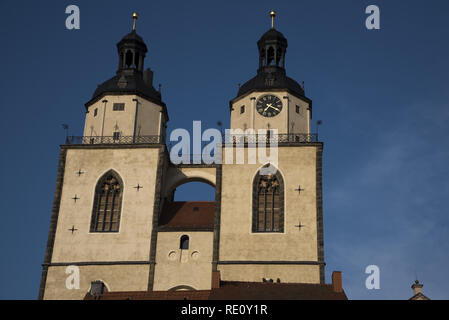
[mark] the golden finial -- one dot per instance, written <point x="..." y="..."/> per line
<point x="135" y="17"/>
<point x="272" y="15"/>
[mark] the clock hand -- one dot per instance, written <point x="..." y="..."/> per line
<point x="275" y="108"/>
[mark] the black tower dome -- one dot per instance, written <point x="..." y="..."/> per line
<point x="130" y="77"/>
<point x="271" y="74"/>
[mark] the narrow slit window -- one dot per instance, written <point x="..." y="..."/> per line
<point x="184" y="243"/>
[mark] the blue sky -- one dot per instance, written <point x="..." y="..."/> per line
<point x="382" y="96"/>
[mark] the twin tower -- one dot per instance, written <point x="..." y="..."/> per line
<point x="114" y="217"/>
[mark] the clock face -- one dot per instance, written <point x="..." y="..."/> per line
<point x="269" y="105"/>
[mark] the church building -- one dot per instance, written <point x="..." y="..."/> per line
<point x="117" y="233"/>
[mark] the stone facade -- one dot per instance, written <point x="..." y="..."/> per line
<point x="146" y="255"/>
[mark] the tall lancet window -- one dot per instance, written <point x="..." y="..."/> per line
<point x="268" y="203"/>
<point x="107" y="204"/>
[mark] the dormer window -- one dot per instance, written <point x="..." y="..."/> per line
<point x="118" y="107"/>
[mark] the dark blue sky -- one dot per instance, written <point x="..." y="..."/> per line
<point x="382" y="95"/>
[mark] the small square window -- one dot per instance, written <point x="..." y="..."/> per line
<point x="118" y="107"/>
<point x="116" y="135"/>
<point x="95" y="112"/>
<point x="297" y="109"/>
<point x="242" y="109"/>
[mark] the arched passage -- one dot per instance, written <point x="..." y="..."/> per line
<point x="194" y="191"/>
<point x="189" y="199"/>
<point x="179" y="176"/>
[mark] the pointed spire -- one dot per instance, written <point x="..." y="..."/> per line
<point x="135" y="17"/>
<point x="272" y="15"/>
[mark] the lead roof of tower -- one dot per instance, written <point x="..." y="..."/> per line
<point x="271" y="79"/>
<point x="126" y="83"/>
<point x="132" y="38"/>
<point x="272" y="34"/>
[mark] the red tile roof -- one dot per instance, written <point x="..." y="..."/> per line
<point x="152" y="295"/>
<point x="275" y="291"/>
<point x="187" y="215"/>
<point x="236" y="291"/>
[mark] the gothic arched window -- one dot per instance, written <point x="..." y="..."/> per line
<point x="268" y="203"/>
<point x="107" y="204"/>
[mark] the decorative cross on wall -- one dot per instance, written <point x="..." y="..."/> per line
<point x="75" y="198"/>
<point x="73" y="229"/>
<point x="79" y="173"/>
<point x="299" y="189"/>
<point x="138" y="187"/>
<point x="299" y="225"/>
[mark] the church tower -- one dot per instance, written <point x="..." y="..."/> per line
<point x="271" y="226"/>
<point x="116" y="230"/>
<point x="108" y="185"/>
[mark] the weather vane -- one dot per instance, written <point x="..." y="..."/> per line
<point x="135" y="17"/>
<point x="272" y="15"/>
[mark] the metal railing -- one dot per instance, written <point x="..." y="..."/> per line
<point x="112" y="139"/>
<point x="270" y="138"/>
<point x="226" y="139"/>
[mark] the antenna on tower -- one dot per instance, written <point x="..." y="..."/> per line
<point x="66" y="128"/>
<point x="318" y="124"/>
